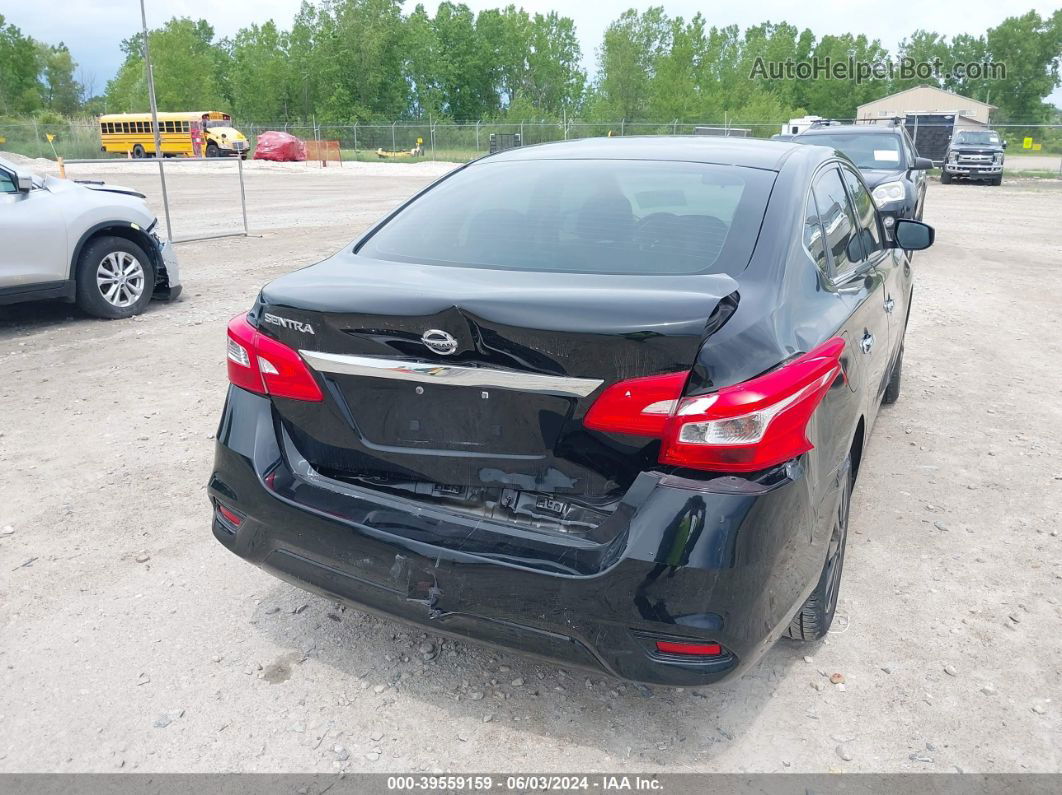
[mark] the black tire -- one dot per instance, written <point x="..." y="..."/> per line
<point x="212" y="150"/>
<point x="892" y="390"/>
<point x="996" y="181"/>
<point x="115" y="278"/>
<point x="138" y="152"/>
<point x="945" y="178"/>
<point x="813" y="620"/>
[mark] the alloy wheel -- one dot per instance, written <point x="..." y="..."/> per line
<point x="120" y="279"/>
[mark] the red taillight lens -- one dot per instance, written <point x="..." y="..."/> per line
<point x="689" y="649"/>
<point x="741" y="428"/>
<point x="640" y="406"/>
<point x="260" y="364"/>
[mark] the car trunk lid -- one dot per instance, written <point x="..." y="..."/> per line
<point x="495" y="426"/>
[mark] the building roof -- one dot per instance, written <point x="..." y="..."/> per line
<point x="932" y="88"/>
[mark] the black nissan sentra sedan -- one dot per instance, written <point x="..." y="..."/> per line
<point x="601" y="401"/>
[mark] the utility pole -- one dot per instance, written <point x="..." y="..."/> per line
<point x="155" y="121"/>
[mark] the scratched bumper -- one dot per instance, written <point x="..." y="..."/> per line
<point x="597" y="606"/>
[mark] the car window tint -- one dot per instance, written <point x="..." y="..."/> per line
<point x="866" y="215"/>
<point x="7" y="184"/>
<point x="909" y="147"/>
<point x="838" y="221"/>
<point x="814" y="239"/>
<point x="583" y="216"/>
<point x="866" y="150"/>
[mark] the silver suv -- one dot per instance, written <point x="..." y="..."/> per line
<point x="87" y="242"/>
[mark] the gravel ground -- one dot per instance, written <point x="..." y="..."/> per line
<point x="131" y="640"/>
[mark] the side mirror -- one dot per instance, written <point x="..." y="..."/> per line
<point x="1004" y="144"/>
<point x="912" y="235"/>
<point x="922" y="164"/>
<point x="24" y="181"/>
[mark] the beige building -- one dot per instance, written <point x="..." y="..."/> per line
<point x="928" y="99"/>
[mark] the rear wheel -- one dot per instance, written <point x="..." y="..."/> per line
<point x="814" y="619"/>
<point x="892" y="390"/>
<point x="115" y="278"/>
<point x="138" y="151"/>
<point x="945" y="178"/>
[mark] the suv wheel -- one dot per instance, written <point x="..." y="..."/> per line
<point x="814" y="619"/>
<point x="996" y="181"/>
<point x="945" y="178"/>
<point x="115" y="278"/>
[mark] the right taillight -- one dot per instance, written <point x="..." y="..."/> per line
<point x="260" y="364"/>
<point x="742" y="428"/>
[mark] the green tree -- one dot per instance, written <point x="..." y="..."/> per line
<point x="260" y="81"/>
<point x="1031" y="48"/>
<point x="19" y="67"/>
<point x="188" y="70"/>
<point x="629" y="53"/>
<point x="420" y="66"/>
<point x="60" y="91"/>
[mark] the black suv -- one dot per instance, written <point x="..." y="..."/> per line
<point x="886" y="156"/>
<point x="974" y="155"/>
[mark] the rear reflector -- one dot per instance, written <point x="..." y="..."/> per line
<point x="260" y="364"/>
<point x="689" y="649"/>
<point x="742" y="428"/>
<point x="231" y="517"/>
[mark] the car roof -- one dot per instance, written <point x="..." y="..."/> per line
<point x="856" y="129"/>
<point x="746" y="152"/>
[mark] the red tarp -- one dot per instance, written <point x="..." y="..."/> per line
<point x="279" y="146"/>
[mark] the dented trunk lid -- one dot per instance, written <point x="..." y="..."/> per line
<point x="495" y="427"/>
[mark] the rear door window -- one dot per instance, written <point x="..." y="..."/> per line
<point x="814" y="239"/>
<point x="866" y="214"/>
<point x="838" y="222"/>
<point x="583" y="216"/>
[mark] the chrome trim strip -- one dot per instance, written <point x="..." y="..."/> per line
<point x="451" y="375"/>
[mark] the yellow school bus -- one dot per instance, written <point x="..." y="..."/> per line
<point x="189" y="134"/>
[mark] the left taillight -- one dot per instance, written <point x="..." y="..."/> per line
<point x="262" y="365"/>
<point x="742" y="428"/>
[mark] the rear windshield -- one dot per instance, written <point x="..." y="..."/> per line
<point x="865" y="150"/>
<point x="583" y="216"/>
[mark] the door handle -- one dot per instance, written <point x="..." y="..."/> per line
<point x="867" y="342"/>
<point x="890" y="304"/>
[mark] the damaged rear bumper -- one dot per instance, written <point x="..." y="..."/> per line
<point x="724" y="560"/>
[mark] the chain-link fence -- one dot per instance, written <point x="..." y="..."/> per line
<point x="1032" y="149"/>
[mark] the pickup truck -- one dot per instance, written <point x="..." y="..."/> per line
<point x="974" y="155"/>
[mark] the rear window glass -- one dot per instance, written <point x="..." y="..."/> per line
<point x="866" y="150"/>
<point x="583" y="216"/>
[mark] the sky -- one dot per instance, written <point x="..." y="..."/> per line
<point x="93" y="29"/>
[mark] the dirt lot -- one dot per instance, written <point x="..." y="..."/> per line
<point x="131" y="640"/>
